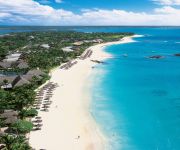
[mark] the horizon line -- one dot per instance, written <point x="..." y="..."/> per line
<point x="89" y="25"/>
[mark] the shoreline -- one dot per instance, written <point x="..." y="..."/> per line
<point x="69" y="124"/>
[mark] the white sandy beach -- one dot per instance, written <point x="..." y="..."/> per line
<point x="69" y="115"/>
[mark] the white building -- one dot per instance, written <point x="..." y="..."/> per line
<point x="12" y="57"/>
<point x="45" y="46"/>
<point x="68" y="49"/>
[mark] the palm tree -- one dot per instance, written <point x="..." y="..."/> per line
<point x="8" y="141"/>
<point x="24" y="97"/>
<point x="22" y="126"/>
<point x="5" y="82"/>
<point x="21" y="144"/>
<point x="14" y="143"/>
<point x="2" y="123"/>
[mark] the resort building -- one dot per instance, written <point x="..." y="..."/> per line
<point x="78" y="43"/>
<point x="35" y="72"/>
<point x="6" y="82"/>
<point x="12" y="57"/>
<point x="93" y="41"/>
<point x="5" y="65"/>
<point x="9" y="116"/>
<point x="22" y="65"/>
<point x="98" y="41"/>
<point x="31" y="37"/>
<point x="9" y="65"/>
<point x="68" y="49"/>
<point x="45" y="46"/>
<point x="13" y="81"/>
<point x="9" y="82"/>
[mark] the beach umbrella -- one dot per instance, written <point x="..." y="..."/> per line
<point x="34" y="121"/>
<point x="38" y="125"/>
<point x="38" y="117"/>
<point x="49" y="94"/>
<point x="47" y="99"/>
<point x="37" y="128"/>
<point x="45" y="106"/>
<point x="38" y="97"/>
<point x="37" y="107"/>
<point x="35" y="104"/>
<point x="39" y="93"/>
<point x="38" y="103"/>
<point x="45" y="109"/>
<point x="38" y="121"/>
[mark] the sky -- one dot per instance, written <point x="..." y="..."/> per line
<point x="90" y="12"/>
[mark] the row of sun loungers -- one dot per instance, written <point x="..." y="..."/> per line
<point x="86" y="54"/>
<point x="43" y="102"/>
<point x="68" y="65"/>
<point x="37" y="123"/>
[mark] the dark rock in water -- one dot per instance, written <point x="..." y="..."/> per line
<point x="97" y="61"/>
<point x="178" y="54"/>
<point x="159" y="92"/>
<point x="156" y="57"/>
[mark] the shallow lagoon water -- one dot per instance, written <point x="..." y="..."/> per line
<point x="136" y="100"/>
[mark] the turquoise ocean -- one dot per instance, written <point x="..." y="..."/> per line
<point x="136" y="100"/>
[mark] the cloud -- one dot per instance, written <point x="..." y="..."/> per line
<point x="32" y="12"/>
<point x="161" y="16"/>
<point x="29" y="12"/>
<point x="2" y="15"/>
<point x="167" y="2"/>
<point x="168" y="10"/>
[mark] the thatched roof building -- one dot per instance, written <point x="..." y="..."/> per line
<point x="22" y="65"/>
<point x="8" y="82"/>
<point x="19" y="81"/>
<point x="9" y="116"/>
<point x="35" y="72"/>
<point x="5" y="65"/>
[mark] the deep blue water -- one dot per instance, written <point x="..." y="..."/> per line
<point x="136" y="100"/>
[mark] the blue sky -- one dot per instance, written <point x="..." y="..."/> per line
<point x="89" y="12"/>
<point x="77" y="5"/>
